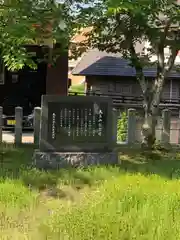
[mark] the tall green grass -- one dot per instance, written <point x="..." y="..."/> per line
<point x="140" y="199"/>
<point x="126" y="207"/>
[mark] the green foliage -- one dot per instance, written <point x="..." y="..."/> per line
<point x="122" y="127"/>
<point x="124" y="26"/>
<point x="80" y="88"/>
<point x="26" y="22"/>
<point x="118" y="26"/>
<point x="92" y="203"/>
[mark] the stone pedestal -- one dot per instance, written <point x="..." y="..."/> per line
<point x="55" y="160"/>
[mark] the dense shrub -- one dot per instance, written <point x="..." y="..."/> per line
<point x="122" y="127"/>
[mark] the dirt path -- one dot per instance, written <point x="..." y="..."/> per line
<point x="26" y="138"/>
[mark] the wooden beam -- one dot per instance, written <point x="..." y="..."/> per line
<point x="57" y="76"/>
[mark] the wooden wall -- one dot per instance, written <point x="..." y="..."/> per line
<point x="57" y="76"/>
<point x="129" y="86"/>
<point x="50" y="80"/>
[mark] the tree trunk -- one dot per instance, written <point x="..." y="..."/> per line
<point x="151" y="106"/>
<point x="149" y="128"/>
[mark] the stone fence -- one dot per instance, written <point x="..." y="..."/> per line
<point x="167" y="129"/>
<point x="18" y="121"/>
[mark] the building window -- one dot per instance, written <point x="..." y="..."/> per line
<point x="14" y="78"/>
<point x="111" y="87"/>
<point x="124" y="89"/>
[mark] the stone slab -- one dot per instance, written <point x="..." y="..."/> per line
<point x="55" y="160"/>
<point x="76" y="123"/>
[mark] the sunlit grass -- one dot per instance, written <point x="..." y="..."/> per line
<point x="126" y="207"/>
<point x="80" y="88"/>
<point x="140" y="199"/>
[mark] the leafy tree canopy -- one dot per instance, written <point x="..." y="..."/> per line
<point x="119" y="25"/>
<point x="32" y="22"/>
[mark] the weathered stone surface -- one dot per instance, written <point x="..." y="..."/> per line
<point x="55" y="160"/>
<point x="76" y="124"/>
<point x="18" y="126"/>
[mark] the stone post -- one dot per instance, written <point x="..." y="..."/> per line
<point x="36" y="123"/>
<point x="18" y="126"/>
<point x="131" y="131"/>
<point x="1" y="124"/>
<point x="166" y="122"/>
<point x="115" y="116"/>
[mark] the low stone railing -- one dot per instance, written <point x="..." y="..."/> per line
<point x="18" y="127"/>
<point x="131" y="126"/>
<point x="165" y="129"/>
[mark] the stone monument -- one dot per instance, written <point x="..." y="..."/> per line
<point x="75" y="130"/>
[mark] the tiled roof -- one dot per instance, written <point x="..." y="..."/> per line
<point x="99" y="63"/>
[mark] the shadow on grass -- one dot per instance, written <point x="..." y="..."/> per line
<point x="16" y="163"/>
<point x="165" y="164"/>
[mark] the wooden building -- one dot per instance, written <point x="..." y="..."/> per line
<point x="110" y="74"/>
<point x="50" y="79"/>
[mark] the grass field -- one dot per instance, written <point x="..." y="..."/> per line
<point x="140" y="199"/>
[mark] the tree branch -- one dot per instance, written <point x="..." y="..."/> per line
<point x="161" y="75"/>
<point x="160" y="54"/>
<point x="166" y="30"/>
<point x="174" y="51"/>
<point x="162" y="68"/>
<point x="135" y="59"/>
<point x="160" y="57"/>
<point x="139" y="70"/>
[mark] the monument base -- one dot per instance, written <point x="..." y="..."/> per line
<point x="55" y="160"/>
